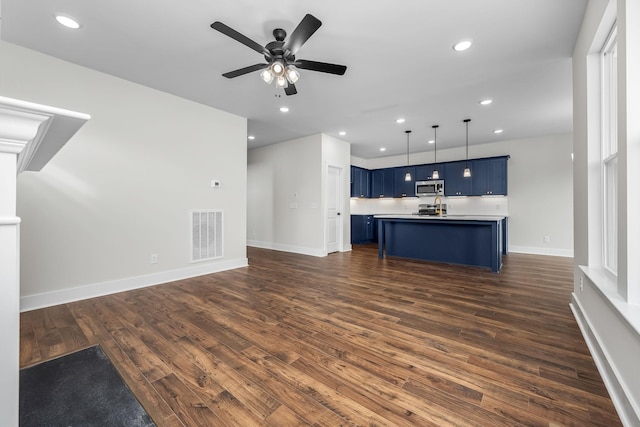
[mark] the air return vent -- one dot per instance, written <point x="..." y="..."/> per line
<point x="206" y="234"/>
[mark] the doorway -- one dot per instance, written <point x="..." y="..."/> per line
<point x="334" y="206"/>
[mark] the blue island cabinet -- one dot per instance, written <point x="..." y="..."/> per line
<point x="466" y="241"/>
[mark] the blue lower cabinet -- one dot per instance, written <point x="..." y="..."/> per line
<point x="363" y="229"/>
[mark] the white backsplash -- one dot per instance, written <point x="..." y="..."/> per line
<point x="485" y="205"/>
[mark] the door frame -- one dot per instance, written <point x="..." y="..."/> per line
<point x="339" y="207"/>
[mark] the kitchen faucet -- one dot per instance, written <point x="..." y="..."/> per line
<point x="438" y="200"/>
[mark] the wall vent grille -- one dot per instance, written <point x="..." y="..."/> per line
<point x="206" y="234"/>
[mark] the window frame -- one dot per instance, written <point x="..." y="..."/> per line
<point x="609" y="153"/>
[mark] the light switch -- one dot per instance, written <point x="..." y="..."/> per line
<point x="215" y="183"/>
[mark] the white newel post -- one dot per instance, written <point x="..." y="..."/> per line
<point x="30" y="135"/>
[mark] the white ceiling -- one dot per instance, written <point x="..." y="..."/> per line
<point x="399" y="57"/>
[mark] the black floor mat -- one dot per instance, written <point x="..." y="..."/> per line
<point x="80" y="389"/>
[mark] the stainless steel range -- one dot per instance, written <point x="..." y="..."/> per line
<point x="432" y="209"/>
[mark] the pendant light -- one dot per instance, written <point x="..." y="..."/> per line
<point x="407" y="176"/>
<point x="435" y="174"/>
<point x="467" y="171"/>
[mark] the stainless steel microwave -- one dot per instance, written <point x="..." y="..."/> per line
<point x="435" y="187"/>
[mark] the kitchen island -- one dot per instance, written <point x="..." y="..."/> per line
<point x="455" y="239"/>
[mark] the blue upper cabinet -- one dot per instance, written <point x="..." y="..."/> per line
<point x="489" y="176"/>
<point x="382" y="183"/>
<point x="455" y="183"/>
<point x="360" y="182"/>
<point x="425" y="172"/>
<point x="402" y="188"/>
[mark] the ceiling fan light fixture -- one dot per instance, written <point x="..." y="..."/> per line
<point x="281" y="81"/>
<point x="267" y="76"/>
<point x="292" y="74"/>
<point x="277" y="68"/>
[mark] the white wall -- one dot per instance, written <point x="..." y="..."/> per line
<point x="609" y="323"/>
<point x="122" y="188"/>
<point x="284" y="196"/>
<point x="286" y="193"/>
<point x="539" y="201"/>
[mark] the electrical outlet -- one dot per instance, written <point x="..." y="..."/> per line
<point x="581" y="283"/>
<point x="546" y="239"/>
<point x="154" y="258"/>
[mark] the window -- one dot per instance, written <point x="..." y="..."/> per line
<point x="609" y="60"/>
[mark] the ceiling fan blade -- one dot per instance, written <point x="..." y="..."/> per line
<point x="290" y="89"/>
<point x="228" y="31"/>
<point x="301" y="34"/>
<point x="245" y="70"/>
<point x="323" y="67"/>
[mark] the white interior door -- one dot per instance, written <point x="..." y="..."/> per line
<point x="333" y="201"/>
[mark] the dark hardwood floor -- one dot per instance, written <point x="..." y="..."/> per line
<point x="344" y="340"/>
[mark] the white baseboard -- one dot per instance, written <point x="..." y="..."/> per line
<point x="287" y="248"/>
<point x="541" y="251"/>
<point x="623" y="404"/>
<point x="63" y="296"/>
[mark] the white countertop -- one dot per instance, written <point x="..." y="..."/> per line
<point x="444" y="217"/>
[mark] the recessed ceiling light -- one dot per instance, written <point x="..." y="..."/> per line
<point x="498" y="131"/>
<point x="486" y="101"/>
<point x="463" y="45"/>
<point x="251" y="137"/>
<point x="67" y="21"/>
<point x="383" y="149"/>
<point x="400" y="120"/>
<point x="342" y="133"/>
<point x="284" y="109"/>
<point x="431" y="141"/>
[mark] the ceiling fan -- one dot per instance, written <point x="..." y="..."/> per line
<point x="280" y="54"/>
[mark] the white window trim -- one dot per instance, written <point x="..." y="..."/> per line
<point x="608" y="134"/>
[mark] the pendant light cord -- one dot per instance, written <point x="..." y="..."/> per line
<point x="407" y="132"/>
<point x="435" y="144"/>
<point x="466" y="121"/>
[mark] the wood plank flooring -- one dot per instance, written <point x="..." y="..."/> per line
<point x="345" y="340"/>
